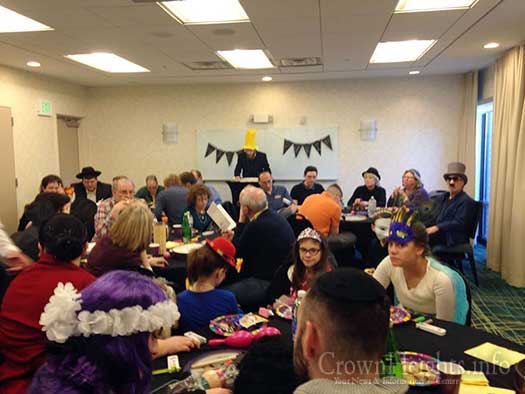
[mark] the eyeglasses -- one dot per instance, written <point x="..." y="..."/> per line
<point x="452" y="178"/>
<point x="311" y="252"/>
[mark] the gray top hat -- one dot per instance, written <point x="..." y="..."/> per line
<point x="456" y="168"/>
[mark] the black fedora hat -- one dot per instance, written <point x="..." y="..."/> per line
<point x="88" y="173"/>
<point x="371" y="170"/>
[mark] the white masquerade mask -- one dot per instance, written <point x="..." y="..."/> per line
<point x="381" y="228"/>
<point x="60" y="320"/>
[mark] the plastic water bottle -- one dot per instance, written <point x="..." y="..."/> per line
<point x="372" y="205"/>
<point x="300" y="296"/>
<point x="186" y="228"/>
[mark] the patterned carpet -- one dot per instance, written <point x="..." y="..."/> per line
<point x="497" y="307"/>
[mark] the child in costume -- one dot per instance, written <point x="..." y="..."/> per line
<point x="378" y="248"/>
<point x="421" y="283"/>
<point x="207" y="269"/>
<point x="311" y="257"/>
<point x="107" y="335"/>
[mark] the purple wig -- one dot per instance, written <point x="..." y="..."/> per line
<point x="102" y="363"/>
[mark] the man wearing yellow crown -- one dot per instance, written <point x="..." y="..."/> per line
<point x="250" y="162"/>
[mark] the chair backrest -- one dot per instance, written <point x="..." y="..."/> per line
<point x="474" y="219"/>
<point x="299" y="222"/>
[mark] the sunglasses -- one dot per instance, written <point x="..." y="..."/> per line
<point x="453" y="178"/>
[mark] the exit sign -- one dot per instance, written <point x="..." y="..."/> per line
<point x="45" y="108"/>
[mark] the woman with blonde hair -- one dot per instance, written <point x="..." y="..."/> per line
<point x="124" y="247"/>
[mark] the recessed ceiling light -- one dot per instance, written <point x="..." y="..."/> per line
<point x="13" y="22"/>
<point x="205" y="11"/>
<point x="266" y="78"/>
<point x="400" y="51"/>
<point x="491" y="45"/>
<point x="33" y="64"/>
<point x="433" y="5"/>
<point x="414" y="72"/>
<point x="246" y="58"/>
<point x="108" y="62"/>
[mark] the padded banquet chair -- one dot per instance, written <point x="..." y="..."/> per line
<point x="455" y="255"/>
<point x="299" y="222"/>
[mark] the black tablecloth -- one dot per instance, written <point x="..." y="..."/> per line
<point x="451" y="347"/>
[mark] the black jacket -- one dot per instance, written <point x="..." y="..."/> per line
<point x="251" y="167"/>
<point x="264" y="244"/>
<point x="103" y="190"/>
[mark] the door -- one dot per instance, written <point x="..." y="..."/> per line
<point x="67" y="130"/>
<point x="8" y="206"/>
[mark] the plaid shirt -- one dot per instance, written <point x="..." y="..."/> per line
<point x="103" y="219"/>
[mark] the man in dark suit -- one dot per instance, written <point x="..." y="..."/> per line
<point x="263" y="239"/>
<point x="90" y="187"/>
<point x="250" y="162"/>
<point x="454" y="210"/>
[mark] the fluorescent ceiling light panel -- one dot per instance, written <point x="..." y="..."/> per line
<point x="400" y="51"/>
<point x="491" y="45"/>
<point x="433" y="5"/>
<point x="246" y="58"/>
<point x="266" y="79"/>
<point x="205" y="11"/>
<point x="33" y="64"/>
<point x="108" y="62"/>
<point x="13" y="22"/>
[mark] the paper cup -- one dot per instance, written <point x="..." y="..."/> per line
<point x="450" y="377"/>
<point x="177" y="231"/>
<point x="154" y="249"/>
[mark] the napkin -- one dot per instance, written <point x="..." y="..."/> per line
<point x="495" y="354"/>
<point x="472" y="389"/>
<point x="474" y="378"/>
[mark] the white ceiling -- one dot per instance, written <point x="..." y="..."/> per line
<point x="343" y="33"/>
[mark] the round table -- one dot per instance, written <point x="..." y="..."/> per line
<point x="362" y="229"/>
<point x="450" y="347"/>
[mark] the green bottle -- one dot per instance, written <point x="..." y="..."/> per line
<point x="391" y="363"/>
<point x="186" y="228"/>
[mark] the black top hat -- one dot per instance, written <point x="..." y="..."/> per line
<point x="371" y="170"/>
<point x="88" y="173"/>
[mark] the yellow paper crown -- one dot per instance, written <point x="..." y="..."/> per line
<point x="249" y="140"/>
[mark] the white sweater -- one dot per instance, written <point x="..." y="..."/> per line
<point x="434" y="294"/>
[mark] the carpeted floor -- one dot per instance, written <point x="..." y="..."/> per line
<point x="497" y="307"/>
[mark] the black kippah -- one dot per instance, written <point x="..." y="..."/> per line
<point x="350" y="285"/>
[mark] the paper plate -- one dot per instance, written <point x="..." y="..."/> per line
<point x="186" y="248"/>
<point x="213" y="359"/>
<point x="225" y="325"/>
<point x="399" y="315"/>
<point x="355" y="218"/>
<point x="419" y="369"/>
<point x="284" y="311"/>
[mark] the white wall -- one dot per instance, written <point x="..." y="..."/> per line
<point x="418" y="121"/>
<point x="35" y="137"/>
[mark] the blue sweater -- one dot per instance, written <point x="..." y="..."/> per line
<point x="197" y="309"/>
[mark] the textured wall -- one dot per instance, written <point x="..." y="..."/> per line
<point x="35" y="137"/>
<point x="418" y="121"/>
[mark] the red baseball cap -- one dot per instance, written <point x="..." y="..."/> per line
<point x="223" y="248"/>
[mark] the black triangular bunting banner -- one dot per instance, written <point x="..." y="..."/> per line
<point x="218" y="155"/>
<point x="317" y="146"/>
<point x="209" y="150"/>
<point x="297" y="149"/>
<point x="229" y="157"/>
<point x="308" y="149"/>
<point x="287" y="145"/>
<point x="328" y="142"/>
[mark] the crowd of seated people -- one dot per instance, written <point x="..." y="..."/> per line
<point x="118" y="273"/>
